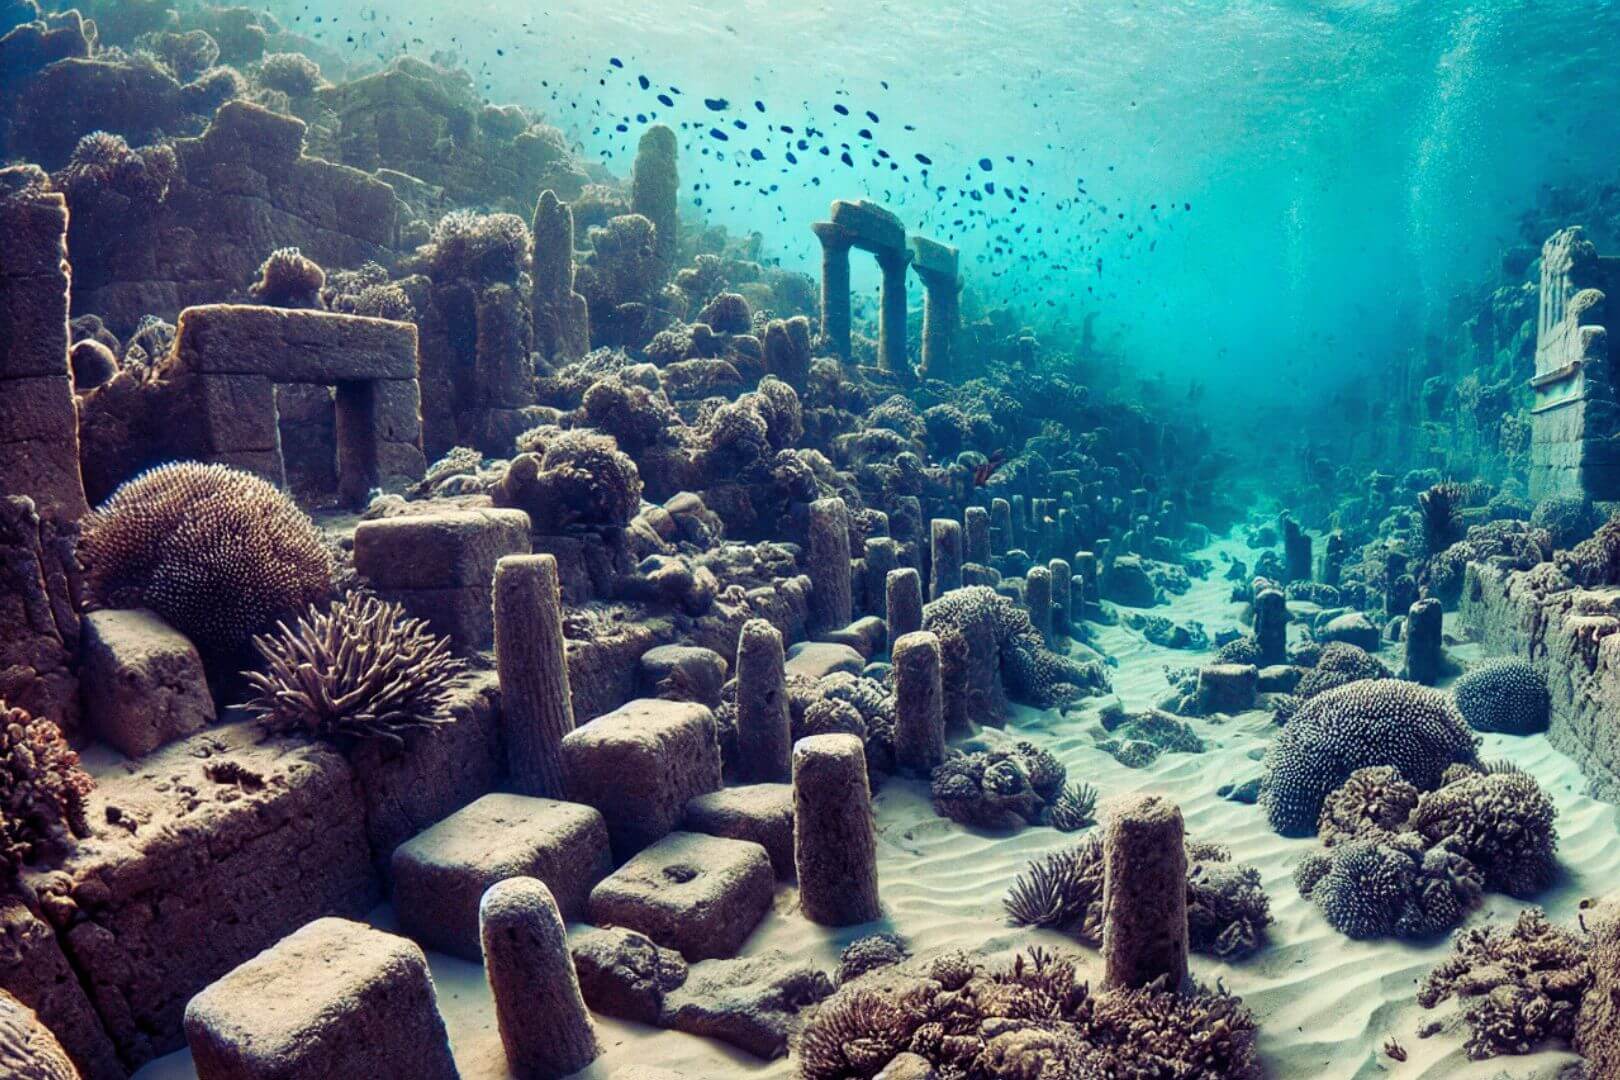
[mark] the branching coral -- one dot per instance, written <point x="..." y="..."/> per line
<point x="1519" y="985"/>
<point x="1371" y="722"/>
<point x="1505" y="695"/>
<point x="580" y="478"/>
<point x="288" y="279"/>
<point x="1371" y="802"/>
<point x="360" y="670"/>
<point x="219" y="553"/>
<point x="1502" y="822"/>
<point x="42" y="791"/>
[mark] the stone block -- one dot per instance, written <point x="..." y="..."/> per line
<point x="36" y="238"/>
<point x="45" y="470"/>
<point x="690" y="671"/>
<point x="1353" y="628"/>
<point x="867" y="636"/>
<point x="871" y="227"/>
<point x="815" y="659"/>
<point x="440" y="875"/>
<point x="1227" y="688"/>
<point x="761" y="813"/>
<point x="294" y="345"/>
<point x="39" y="622"/>
<point x="33" y="326"/>
<point x="932" y="257"/>
<point x="219" y="846"/>
<point x="397" y="407"/>
<point x="143" y="680"/>
<point x="35" y="972"/>
<point x="236" y="412"/>
<point x="700" y="895"/>
<point x="439" y="550"/>
<point x="335" y="999"/>
<point x="640" y="764"/>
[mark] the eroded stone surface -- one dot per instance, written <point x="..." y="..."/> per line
<point x="701" y="895"/>
<point x="144" y="682"/>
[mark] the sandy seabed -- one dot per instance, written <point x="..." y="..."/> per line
<point x="1326" y="1004"/>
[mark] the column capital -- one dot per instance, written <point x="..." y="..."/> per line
<point x="832" y="236"/>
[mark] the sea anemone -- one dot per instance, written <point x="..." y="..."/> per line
<point x="219" y="553"/>
<point x="287" y="279"/>
<point x="358" y="671"/>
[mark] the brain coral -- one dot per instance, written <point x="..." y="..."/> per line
<point x="1506" y="695"/>
<point x="219" y="553"/>
<point x="1340" y="663"/>
<point x="1360" y="724"/>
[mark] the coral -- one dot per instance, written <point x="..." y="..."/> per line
<point x="1240" y="650"/>
<point x="1568" y="519"/>
<point x="360" y="670"/>
<point x="1520" y="985"/>
<point x="1371" y="722"/>
<point x="1508" y="696"/>
<point x="727" y="313"/>
<point x="579" y="478"/>
<point x="1439" y="506"/>
<point x="219" y="553"/>
<point x="293" y="74"/>
<point x="287" y="279"/>
<point x="1389" y="885"/>
<point x="1139" y="738"/>
<point x="103" y="163"/>
<point x="1227" y="908"/>
<point x="187" y="55"/>
<point x="1340" y="663"/>
<point x="1596" y="560"/>
<point x="997" y="788"/>
<point x="869" y="953"/>
<point x="478" y="247"/>
<point x="1372" y="802"/>
<point x="1502" y="822"/>
<point x="42" y="791"/>
<point x="634" y="415"/>
<point x="1075" y="808"/>
<point x="1030" y="672"/>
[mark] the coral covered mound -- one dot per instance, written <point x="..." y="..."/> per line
<point x="1031" y="1018"/>
<point x="289" y="279"/>
<point x="360" y="670"/>
<point x="1519" y="985"/>
<point x="998" y="789"/>
<point x="1508" y="696"/>
<point x="219" y="553"/>
<point x="1340" y="663"/>
<point x="1227" y="910"/>
<point x="1371" y="722"/>
<point x="1372" y="802"/>
<point x="571" y="478"/>
<point x="42" y="791"/>
<point x="1030" y="672"/>
<point x="1502" y="822"/>
<point x="1597" y="1028"/>
<point x="1383" y="886"/>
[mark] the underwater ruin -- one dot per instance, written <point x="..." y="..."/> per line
<point x="899" y="542"/>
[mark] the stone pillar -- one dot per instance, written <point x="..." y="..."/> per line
<point x="1271" y="627"/>
<point x="1333" y="555"/>
<point x="764" y="720"/>
<point x="944" y="557"/>
<point x="1144" y="918"/>
<point x="1062" y="596"/>
<point x="903" y="589"/>
<point x="834" y="841"/>
<point x="919" y="703"/>
<point x="976" y="535"/>
<point x="1001" y="528"/>
<point x="892" y="311"/>
<point x="831" y="602"/>
<point x="1038" y="599"/>
<point x="655" y="186"/>
<point x="1424" y="657"/>
<point x="1296" y="551"/>
<point x="532" y="662"/>
<point x="539" y="1010"/>
<point x="835" y="316"/>
<point x="936" y="265"/>
<point x="882" y="556"/>
<point x="562" y="327"/>
<point x="787" y="346"/>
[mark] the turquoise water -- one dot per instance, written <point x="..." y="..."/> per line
<point x="1263" y="196"/>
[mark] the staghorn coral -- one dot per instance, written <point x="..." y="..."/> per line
<point x="1502" y="822"/>
<point x="360" y="670"/>
<point x="1389" y="885"/>
<point x="1371" y="802"/>
<point x="287" y="279"/>
<point x="1370" y="722"/>
<point x="1519" y="985"/>
<point x="42" y="791"/>
<point x="219" y="553"/>
<point x="1002" y="788"/>
<point x="1508" y="696"/>
<point x="578" y="478"/>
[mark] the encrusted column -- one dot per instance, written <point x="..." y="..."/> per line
<point x="936" y="265"/>
<point x="892" y="310"/>
<point x="835" y="245"/>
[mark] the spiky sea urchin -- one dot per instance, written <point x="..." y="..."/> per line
<point x="360" y="670"/>
<point x="1075" y="808"/>
<point x="42" y="790"/>
<point x="219" y="553"/>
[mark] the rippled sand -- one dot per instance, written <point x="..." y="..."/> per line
<point x="1326" y="1004"/>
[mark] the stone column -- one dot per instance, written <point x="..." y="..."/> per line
<point x="1038" y="599"/>
<point x="1144" y="918"/>
<point x="764" y="721"/>
<point x="945" y="557"/>
<point x="835" y="317"/>
<point x="903" y="589"/>
<point x="1423" y="641"/>
<point x="834" y="840"/>
<point x="1271" y="627"/>
<point x="976" y="535"/>
<point x="919" y="703"/>
<point x="545" y="1028"/>
<point x="882" y="556"/>
<point x="831" y="602"/>
<point x="892" y="311"/>
<point x="1001" y="527"/>
<point x="532" y="662"/>
<point x="936" y="265"/>
<point x="561" y="318"/>
<point x="1062" y="596"/>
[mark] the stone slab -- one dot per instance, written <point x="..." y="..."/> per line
<point x="294" y="345"/>
<point x="699" y="895"/>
